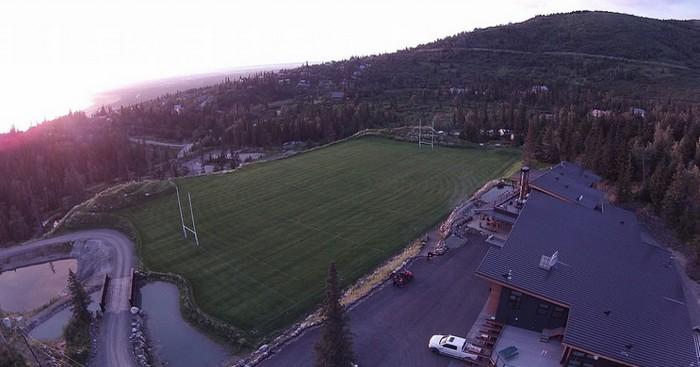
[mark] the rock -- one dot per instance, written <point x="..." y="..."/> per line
<point x="134" y="310"/>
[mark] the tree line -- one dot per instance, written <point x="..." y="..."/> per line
<point x="647" y="145"/>
<point x="58" y="164"/>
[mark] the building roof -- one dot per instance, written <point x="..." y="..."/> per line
<point x="626" y="297"/>
<point x="572" y="183"/>
<point x="496" y="215"/>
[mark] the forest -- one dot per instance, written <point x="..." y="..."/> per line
<point x="56" y="165"/>
<point x="635" y="123"/>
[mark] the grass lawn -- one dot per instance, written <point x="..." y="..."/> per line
<point x="268" y="231"/>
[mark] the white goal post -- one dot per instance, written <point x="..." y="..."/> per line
<point x="185" y="228"/>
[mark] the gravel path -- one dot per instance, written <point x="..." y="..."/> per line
<point x="113" y="341"/>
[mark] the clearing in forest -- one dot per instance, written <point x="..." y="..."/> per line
<point x="269" y="230"/>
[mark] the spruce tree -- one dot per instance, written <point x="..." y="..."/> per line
<point x="334" y="349"/>
<point x="10" y="357"/>
<point x="79" y="298"/>
<point x="624" y="180"/>
<point x="530" y="149"/>
<point x="77" y="332"/>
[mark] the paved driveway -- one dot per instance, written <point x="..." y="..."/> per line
<point x="392" y="327"/>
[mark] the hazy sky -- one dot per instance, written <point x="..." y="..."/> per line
<point x="54" y="54"/>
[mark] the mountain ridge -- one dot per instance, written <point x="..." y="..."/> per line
<point x="591" y="32"/>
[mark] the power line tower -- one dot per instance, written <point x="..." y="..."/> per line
<point x="185" y="228"/>
<point x="424" y="139"/>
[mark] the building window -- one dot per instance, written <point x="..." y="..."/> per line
<point x="580" y="359"/>
<point x="558" y="312"/>
<point x="514" y="300"/>
<point x="543" y="309"/>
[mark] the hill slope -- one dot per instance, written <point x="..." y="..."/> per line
<point x="599" y="33"/>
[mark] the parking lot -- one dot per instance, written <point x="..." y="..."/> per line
<point x="393" y="326"/>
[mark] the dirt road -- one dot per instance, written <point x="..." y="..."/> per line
<point x="185" y="148"/>
<point x="113" y="342"/>
<point x="392" y="327"/>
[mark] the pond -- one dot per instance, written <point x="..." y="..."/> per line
<point x="52" y="328"/>
<point x="25" y="289"/>
<point x="177" y="343"/>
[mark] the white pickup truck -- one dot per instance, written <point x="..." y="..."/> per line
<point x="454" y="346"/>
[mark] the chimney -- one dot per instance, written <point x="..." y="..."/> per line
<point x="524" y="185"/>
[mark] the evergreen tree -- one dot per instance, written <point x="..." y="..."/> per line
<point x="9" y="357"/>
<point x="80" y="300"/>
<point x="530" y="148"/>
<point x="334" y="349"/>
<point x="624" y="180"/>
<point x="77" y="332"/>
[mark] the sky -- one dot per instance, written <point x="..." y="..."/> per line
<point x="55" y="55"/>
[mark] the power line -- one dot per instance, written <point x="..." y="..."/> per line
<point x="34" y="340"/>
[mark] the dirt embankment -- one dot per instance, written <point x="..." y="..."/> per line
<point x="94" y="260"/>
<point x="53" y="252"/>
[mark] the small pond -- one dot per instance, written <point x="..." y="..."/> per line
<point x="177" y="343"/>
<point x="25" y="289"/>
<point x="52" y="328"/>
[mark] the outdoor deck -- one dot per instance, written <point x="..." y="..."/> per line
<point x="531" y="352"/>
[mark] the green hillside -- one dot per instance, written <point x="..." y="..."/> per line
<point x="600" y="33"/>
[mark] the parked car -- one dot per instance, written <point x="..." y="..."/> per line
<point x="454" y="346"/>
<point x="401" y="277"/>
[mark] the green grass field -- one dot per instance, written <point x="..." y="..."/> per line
<point x="268" y="231"/>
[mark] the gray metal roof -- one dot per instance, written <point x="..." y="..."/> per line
<point x="603" y="266"/>
<point x="572" y="182"/>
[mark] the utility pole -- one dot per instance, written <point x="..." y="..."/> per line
<point x="30" y="348"/>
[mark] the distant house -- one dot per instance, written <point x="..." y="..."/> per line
<point x="304" y="84"/>
<point x="638" y="112"/>
<point x="178" y="108"/>
<point x="292" y="145"/>
<point x="539" y="89"/>
<point x="596" y="113"/>
<point x="546" y="116"/>
<point x="337" y="95"/>
<point x="325" y="83"/>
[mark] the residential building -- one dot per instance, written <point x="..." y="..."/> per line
<point x="576" y="270"/>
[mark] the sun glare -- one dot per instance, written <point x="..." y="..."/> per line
<point x="54" y="55"/>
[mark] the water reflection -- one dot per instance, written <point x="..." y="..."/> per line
<point x="27" y="288"/>
<point x="177" y="342"/>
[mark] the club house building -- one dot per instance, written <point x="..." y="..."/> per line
<point x="580" y="272"/>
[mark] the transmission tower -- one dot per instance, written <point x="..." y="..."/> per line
<point x="185" y="228"/>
